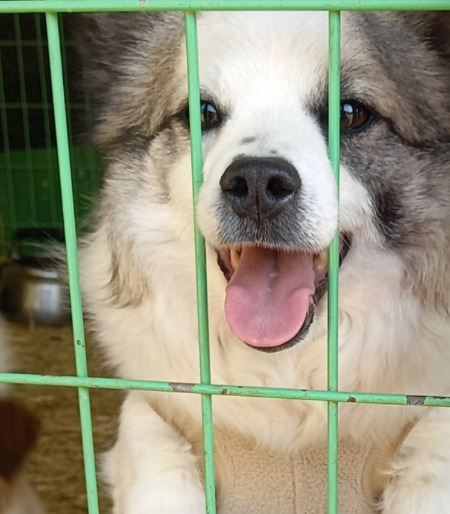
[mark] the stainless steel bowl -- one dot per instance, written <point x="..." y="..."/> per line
<point x="34" y="294"/>
<point x="32" y="289"/>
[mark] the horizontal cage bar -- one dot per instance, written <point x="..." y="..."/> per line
<point x="219" y="5"/>
<point x="231" y="390"/>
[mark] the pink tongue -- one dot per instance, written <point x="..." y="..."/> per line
<point x="268" y="295"/>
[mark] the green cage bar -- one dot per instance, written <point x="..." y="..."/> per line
<point x="334" y="96"/>
<point x="25" y="118"/>
<point x="200" y="257"/>
<point x="47" y="125"/>
<point x="219" y="5"/>
<point x="7" y="155"/>
<point x="54" y="48"/>
<point x="226" y="389"/>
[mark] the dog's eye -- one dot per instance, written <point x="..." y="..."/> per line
<point x="210" y="115"/>
<point x="354" y="115"/>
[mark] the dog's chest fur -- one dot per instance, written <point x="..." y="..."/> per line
<point x="251" y="479"/>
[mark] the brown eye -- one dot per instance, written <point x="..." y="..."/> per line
<point x="354" y="115"/>
<point x="210" y="115"/>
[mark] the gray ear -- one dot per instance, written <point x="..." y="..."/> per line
<point x="127" y="60"/>
<point x="105" y="41"/>
<point x="433" y="27"/>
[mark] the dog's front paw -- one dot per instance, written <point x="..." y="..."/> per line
<point x="151" y="469"/>
<point x="419" y="476"/>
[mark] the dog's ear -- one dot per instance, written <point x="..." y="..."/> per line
<point x="439" y="32"/>
<point x="433" y="27"/>
<point x="127" y="59"/>
<point x="18" y="433"/>
<point x="101" y="40"/>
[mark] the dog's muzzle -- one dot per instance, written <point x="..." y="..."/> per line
<point x="274" y="281"/>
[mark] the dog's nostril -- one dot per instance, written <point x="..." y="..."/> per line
<point x="237" y="187"/>
<point x="279" y="188"/>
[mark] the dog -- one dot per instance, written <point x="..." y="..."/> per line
<point x="268" y="211"/>
<point x="19" y="430"/>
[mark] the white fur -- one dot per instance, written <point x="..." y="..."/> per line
<point x="389" y="342"/>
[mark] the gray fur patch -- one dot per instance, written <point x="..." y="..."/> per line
<point x="403" y="157"/>
<point x="120" y="53"/>
<point x="407" y="80"/>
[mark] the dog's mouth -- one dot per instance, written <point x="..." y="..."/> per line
<point x="272" y="294"/>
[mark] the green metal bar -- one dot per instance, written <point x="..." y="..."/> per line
<point x="46" y="117"/>
<point x="219" y="5"/>
<point x="6" y="149"/>
<point x="12" y="43"/>
<point x="334" y="107"/>
<point x="54" y="47"/>
<point x="26" y="124"/>
<point x="200" y="257"/>
<point x="75" y="184"/>
<point x="36" y="105"/>
<point x="226" y="390"/>
<point x="66" y="88"/>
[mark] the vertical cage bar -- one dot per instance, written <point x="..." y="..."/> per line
<point x="46" y="118"/>
<point x="56" y="72"/>
<point x="66" y="79"/>
<point x="69" y="105"/>
<point x="6" y="149"/>
<point x="25" y="117"/>
<point x="334" y="94"/>
<point x="200" y="257"/>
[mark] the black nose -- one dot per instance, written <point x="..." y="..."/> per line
<point x="260" y="187"/>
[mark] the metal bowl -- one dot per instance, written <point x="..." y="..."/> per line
<point x="32" y="288"/>
<point x="34" y="293"/>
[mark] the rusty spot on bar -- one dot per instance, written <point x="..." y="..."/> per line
<point x="181" y="387"/>
<point x="351" y="399"/>
<point x="415" y="400"/>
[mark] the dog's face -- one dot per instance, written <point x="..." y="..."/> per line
<point x="268" y="206"/>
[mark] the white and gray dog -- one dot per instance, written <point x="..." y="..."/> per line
<point x="268" y="212"/>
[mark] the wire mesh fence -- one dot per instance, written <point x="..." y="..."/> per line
<point x="30" y="159"/>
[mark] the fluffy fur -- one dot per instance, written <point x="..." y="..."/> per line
<point x="266" y="73"/>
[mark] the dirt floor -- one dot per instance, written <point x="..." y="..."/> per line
<point x="56" y="464"/>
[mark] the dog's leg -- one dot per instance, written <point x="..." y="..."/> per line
<point x="420" y="474"/>
<point x="151" y="469"/>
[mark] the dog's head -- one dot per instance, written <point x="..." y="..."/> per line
<point x="268" y="206"/>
